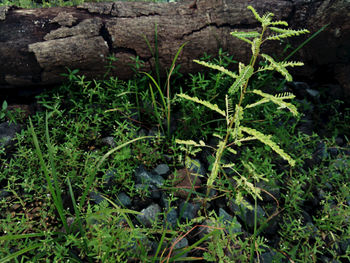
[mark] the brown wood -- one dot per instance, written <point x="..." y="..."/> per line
<point x="36" y="45"/>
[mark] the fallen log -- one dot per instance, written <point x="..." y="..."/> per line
<point x="38" y="45"/>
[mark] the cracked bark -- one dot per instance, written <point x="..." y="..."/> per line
<point x="36" y="46"/>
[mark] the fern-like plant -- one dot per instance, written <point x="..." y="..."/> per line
<point x="236" y="133"/>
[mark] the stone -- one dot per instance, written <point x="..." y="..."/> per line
<point x="109" y="178"/>
<point x="161" y="169"/>
<point x="171" y="218"/>
<point x="185" y="182"/>
<point x="197" y="167"/>
<point x="269" y="257"/>
<point x="188" y="210"/>
<point x="109" y="141"/>
<point x="123" y="199"/>
<point x="230" y="222"/>
<point x="149" y="215"/>
<point x="333" y="151"/>
<point x="144" y="177"/>
<point x="4" y="193"/>
<point x="180" y="244"/>
<point x="150" y="190"/>
<point x="270" y="187"/>
<point x="8" y="133"/>
<point x="96" y="197"/>
<point x="245" y="214"/>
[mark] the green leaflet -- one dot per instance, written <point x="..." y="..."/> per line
<point x="236" y="133"/>
<point x="213" y="66"/>
<point x="286" y="34"/>
<point x="257" y="16"/>
<point x="278" y="100"/>
<point x="216" y="166"/>
<point x="245" y="73"/>
<point x="278" y="67"/>
<point x="245" y="35"/>
<point x="266" y="19"/>
<point x="279" y="22"/>
<point x="256" y="46"/>
<point x="190" y="142"/>
<point x="213" y="107"/>
<point x="266" y="139"/>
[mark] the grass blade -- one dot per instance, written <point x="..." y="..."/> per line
<point x="20" y="252"/>
<point x="91" y="178"/>
<point x="57" y="202"/>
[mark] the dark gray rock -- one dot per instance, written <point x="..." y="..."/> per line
<point x="339" y="141"/>
<point x="272" y="227"/>
<point x="188" y="210"/>
<point x="197" y="167"/>
<point x="345" y="245"/>
<point x="230" y="222"/>
<point x="341" y="164"/>
<point x="321" y="151"/>
<point x="314" y="94"/>
<point x="109" y="141"/>
<point x="270" y="187"/>
<point x="246" y="215"/>
<point x="144" y="177"/>
<point x="269" y="257"/>
<point x="171" y="218"/>
<point x="4" y="193"/>
<point x="8" y="133"/>
<point x="180" y="244"/>
<point x="149" y="215"/>
<point x="206" y="227"/>
<point x="149" y="189"/>
<point x="123" y="199"/>
<point x="333" y="151"/>
<point x="109" y="178"/>
<point x="324" y="259"/>
<point x="164" y="200"/>
<point x="161" y="169"/>
<point x="96" y="197"/>
<point x="306" y="126"/>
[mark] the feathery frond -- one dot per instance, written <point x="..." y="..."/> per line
<point x="279" y="100"/>
<point x="256" y="46"/>
<point x="213" y="107"/>
<point x="288" y="33"/>
<point x="229" y="109"/>
<point x="213" y="66"/>
<point x="236" y="133"/>
<point x="257" y="16"/>
<point x="216" y="165"/>
<point x="245" y="35"/>
<point x="266" y="139"/>
<point x="278" y="67"/>
<point x="279" y="22"/>
<point x="245" y="73"/>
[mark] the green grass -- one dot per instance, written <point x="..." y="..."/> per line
<point x="67" y="147"/>
<point x="60" y="157"/>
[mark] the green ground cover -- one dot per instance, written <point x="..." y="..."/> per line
<point x="251" y="145"/>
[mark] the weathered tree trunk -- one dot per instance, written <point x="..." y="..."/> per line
<point x="37" y="45"/>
